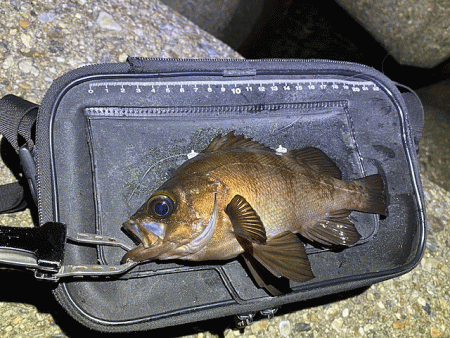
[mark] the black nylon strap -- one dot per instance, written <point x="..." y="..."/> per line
<point x="12" y="198"/>
<point x="17" y="117"/>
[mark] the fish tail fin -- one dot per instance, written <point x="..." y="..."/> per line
<point x="375" y="191"/>
<point x="335" y="228"/>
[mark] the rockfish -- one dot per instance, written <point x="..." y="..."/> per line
<point x="240" y="197"/>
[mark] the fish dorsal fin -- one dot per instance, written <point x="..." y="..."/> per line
<point x="335" y="229"/>
<point x="284" y="255"/>
<point x="246" y="222"/>
<point x="232" y="141"/>
<point x="317" y="160"/>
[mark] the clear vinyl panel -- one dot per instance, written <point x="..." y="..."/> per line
<point x="150" y="143"/>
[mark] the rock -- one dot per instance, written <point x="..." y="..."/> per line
<point x="46" y="17"/>
<point x="228" y="333"/>
<point x="332" y="311"/>
<point x="231" y="21"/>
<point x="17" y="4"/>
<point x="123" y="57"/>
<point x="431" y="243"/>
<point x="17" y="320"/>
<point x="26" y="39"/>
<point x="285" y="328"/>
<point x="337" y="324"/>
<point x="427" y="309"/>
<point x="421" y="301"/>
<point x="27" y="67"/>
<point x="368" y="328"/>
<point x="106" y="21"/>
<point x="259" y="326"/>
<point x="414" y="32"/>
<point x="435" y="332"/>
<point x="9" y="62"/>
<point x="24" y="24"/>
<point x="302" y="327"/>
<point x="398" y="325"/>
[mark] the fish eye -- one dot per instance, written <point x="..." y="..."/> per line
<point x="161" y="206"/>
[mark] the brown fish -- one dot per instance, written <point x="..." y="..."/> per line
<point x="240" y="197"/>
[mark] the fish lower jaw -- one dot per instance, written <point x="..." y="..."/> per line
<point x="183" y="251"/>
<point x="145" y="243"/>
<point x="156" y="251"/>
<point x="179" y="252"/>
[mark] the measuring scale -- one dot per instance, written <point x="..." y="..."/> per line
<point x="213" y="92"/>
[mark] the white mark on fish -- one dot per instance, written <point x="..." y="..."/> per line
<point x="192" y="154"/>
<point x="281" y="150"/>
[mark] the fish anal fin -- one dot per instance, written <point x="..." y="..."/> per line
<point x="317" y="160"/>
<point x="264" y="279"/>
<point x="246" y="222"/>
<point x="335" y="229"/>
<point x="284" y="255"/>
<point x="232" y="141"/>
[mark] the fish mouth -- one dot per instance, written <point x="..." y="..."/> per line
<point x="131" y="229"/>
<point x="143" y="232"/>
<point x="135" y="232"/>
<point x="147" y="236"/>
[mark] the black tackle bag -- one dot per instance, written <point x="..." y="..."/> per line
<point x="106" y="136"/>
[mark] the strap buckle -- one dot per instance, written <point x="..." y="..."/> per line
<point x="29" y="170"/>
<point x="41" y="250"/>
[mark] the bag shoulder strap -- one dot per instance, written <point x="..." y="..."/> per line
<point x="12" y="198"/>
<point x="17" y="117"/>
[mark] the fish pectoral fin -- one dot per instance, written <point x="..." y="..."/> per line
<point x="335" y="229"/>
<point x="317" y="160"/>
<point x="284" y="255"/>
<point x="264" y="279"/>
<point x="246" y="222"/>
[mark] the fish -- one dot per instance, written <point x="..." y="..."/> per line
<point x="240" y="197"/>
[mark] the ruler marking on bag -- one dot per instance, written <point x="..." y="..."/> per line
<point x="236" y="87"/>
